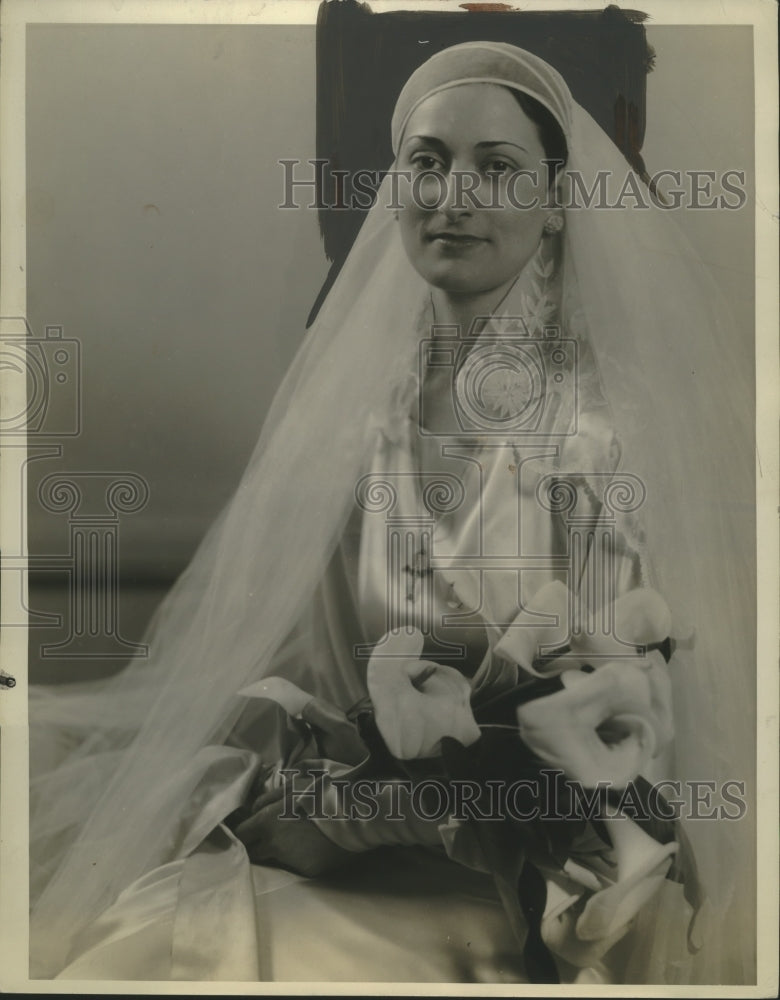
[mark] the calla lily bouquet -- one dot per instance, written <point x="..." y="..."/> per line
<point x="594" y="710"/>
<point x="608" y="720"/>
<point x="599" y="711"/>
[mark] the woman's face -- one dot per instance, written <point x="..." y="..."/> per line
<point x="455" y="244"/>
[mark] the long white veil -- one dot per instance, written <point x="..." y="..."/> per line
<point x="665" y="350"/>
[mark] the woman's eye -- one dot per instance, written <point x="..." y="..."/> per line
<point x="499" y="166"/>
<point x="425" y="161"/>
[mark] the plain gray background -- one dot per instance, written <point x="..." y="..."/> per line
<point x="155" y="240"/>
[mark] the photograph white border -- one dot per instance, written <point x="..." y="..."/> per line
<point x="15" y="15"/>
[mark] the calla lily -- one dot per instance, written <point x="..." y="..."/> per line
<point x="417" y="702"/>
<point x="584" y="924"/>
<point x="568" y="729"/>
<point x="641" y="866"/>
<point x="544" y="622"/>
<point x="562" y="728"/>
<point x="641" y="618"/>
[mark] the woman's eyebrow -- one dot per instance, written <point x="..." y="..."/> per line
<point x="429" y="140"/>
<point x="500" y="142"/>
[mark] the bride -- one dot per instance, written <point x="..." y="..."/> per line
<point x="493" y="530"/>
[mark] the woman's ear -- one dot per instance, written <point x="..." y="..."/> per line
<point x="561" y="189"/>
<point x="557" y="197"/>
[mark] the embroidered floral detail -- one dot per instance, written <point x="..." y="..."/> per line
<point x="537" y="310"/>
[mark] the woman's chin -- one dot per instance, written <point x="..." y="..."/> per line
<point x="460" y="282"/>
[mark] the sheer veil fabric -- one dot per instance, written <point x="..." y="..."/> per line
<point x="109" y="808"/>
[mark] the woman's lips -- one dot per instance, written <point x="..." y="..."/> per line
<point x="455" y="240"/>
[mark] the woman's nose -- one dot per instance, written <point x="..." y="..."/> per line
<point x="455" y="202"/>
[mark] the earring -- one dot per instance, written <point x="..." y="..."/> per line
<point x="554" y="224"/>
